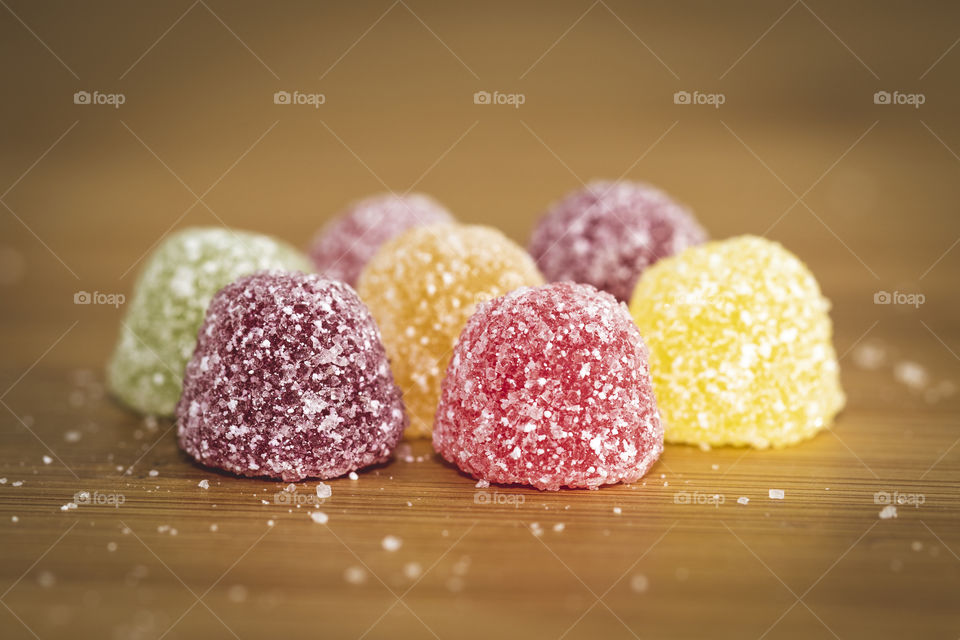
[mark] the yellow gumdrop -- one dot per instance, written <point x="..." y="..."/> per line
<point x="740" y="345"/>
<point x="422" y="287"/>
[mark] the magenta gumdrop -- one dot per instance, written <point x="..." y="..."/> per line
<point x="289" y="380"/>
<point x="342" y="248"/>
<point x="550" y="387"/>
<point x="608" y="233"/>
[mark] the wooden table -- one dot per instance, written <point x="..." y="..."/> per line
<point x="866" y="194"/>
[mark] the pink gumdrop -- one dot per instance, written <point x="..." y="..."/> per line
<point x="289" y="380"/>
<point x="347" y="242"/>
<point x="608" y="233"/>
<point x="550" y="387"/>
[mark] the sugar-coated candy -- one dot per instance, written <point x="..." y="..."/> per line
<point x="289" y="380"/>
<point x="740" y="345"/>
<point x="550" y="387"/>
<point x="422" y="287"/>
<point x="607" y="233"/>
<point x="347" y="242"/>
<point x="169" y="298"/>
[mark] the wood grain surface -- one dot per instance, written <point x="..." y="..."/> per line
<point x="865" y="193"/>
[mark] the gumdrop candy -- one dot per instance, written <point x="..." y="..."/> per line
<point x="422" y="287"/>
<point x="159" y="331"/>
<point x="346" y="243"/>
<point x="289" y="380"/>
<point x="550" y="387"/>
<point x="740" y="345"/>
<point x="608" y="233"/>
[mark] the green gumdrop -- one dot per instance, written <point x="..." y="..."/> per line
<point x="169" y="301"/>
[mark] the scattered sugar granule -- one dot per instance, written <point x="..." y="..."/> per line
<point x="237" y="593"/>
<point x="353" y="475"/>
<point x="743" y="500"/>
<point x="290" y="488"/>
<point x="214" y="527"/>
<point x="639" y="583"/>
<point x="72" y="436"/>
<point x="391" y="543"/>
<point x="869" y="356"/>
<point x="111" y="546"/>
<point x="559" y="527"/>
<point x="14" y="519"/>
<point x="536" y="529"/>
<point x="3" y="481"/>
<point x="18" y="483"/>
<point x="47" y="459"/>
<point x="482" y="484"/>
<point x="617" y="510"/>
<point x="270" y="523"/>
<point x="153" y="473"/>
<point x="412" y="570"/>
<point x="715" y="467"/>
<point x="462" y="565"/>
<point x="204" y="484"/>
<point x="324" y="491"/>
<point x="264" y="501"/>
<point x="69" y="506"/>
<point x="355" y="575"/>
<point x="776" y="494"/>
<point x="911" y="374"/>
<point x="319" y="517"/>
<point x="888" y="512"/>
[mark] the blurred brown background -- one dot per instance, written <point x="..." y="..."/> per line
<point x="865" y="193"/>
<point x="598" y="80"/>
